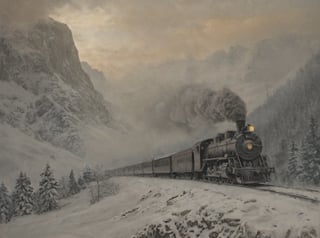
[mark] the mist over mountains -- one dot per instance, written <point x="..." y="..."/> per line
<point x="252" y="71"/>
<point x="158" y="99"/>
<point x="154" y="97"/>
<point x="61" y="104"/>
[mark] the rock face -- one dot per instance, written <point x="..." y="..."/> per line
<point x="97" y="77"/>
<point x="43" y="89"/>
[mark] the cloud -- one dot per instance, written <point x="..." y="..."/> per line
<point x="119" y="35"/>
<point x="20" y="13"/>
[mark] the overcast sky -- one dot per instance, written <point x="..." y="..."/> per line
<point x="118" y="35"/>
<point x="123" y="37"/>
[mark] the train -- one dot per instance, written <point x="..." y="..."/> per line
<point x="232" y="157"/>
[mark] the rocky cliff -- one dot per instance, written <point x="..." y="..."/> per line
<point x="44" y="91"/>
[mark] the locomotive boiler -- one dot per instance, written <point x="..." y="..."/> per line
<point x="235" y="157"/>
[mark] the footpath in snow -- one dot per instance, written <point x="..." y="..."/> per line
<point x="153" y="207"/>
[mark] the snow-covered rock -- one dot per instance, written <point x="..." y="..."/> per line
<point x="44" y="91"/>
<point x="96" y="76"/>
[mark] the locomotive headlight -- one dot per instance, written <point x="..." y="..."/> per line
<point x="249" y="146"/>
<point x="250" y="128"/>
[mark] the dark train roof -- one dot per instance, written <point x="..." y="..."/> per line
<point x="205" y="140"/>
<point x="163" y="156"/>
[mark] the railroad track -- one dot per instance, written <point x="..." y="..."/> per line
<point x="297" y="188"/>
<point x="268" y="188"/>
<point x="288" y="194"/>
<point x="264" y="188"/>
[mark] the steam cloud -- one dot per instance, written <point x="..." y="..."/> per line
<point x="167" y="120"/>
<point x="199" y="104"/>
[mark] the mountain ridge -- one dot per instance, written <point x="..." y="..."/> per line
<point x="58" y="97"/>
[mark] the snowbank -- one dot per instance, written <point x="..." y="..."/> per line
<point x="173" y="208"/>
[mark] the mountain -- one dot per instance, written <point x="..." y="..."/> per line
<point x="96" y="76"/>
<point x="285" y="116"/>
<point x="43" y="89"/>
<point x="48" y="104"/>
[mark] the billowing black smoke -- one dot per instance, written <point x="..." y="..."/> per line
<point x="194" y="105"/>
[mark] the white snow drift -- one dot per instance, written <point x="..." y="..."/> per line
<point x="173" y="208"/>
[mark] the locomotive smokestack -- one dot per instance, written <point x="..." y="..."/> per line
<point x="240" y="124"/>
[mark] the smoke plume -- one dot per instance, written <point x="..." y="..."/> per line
<point x="197" y="105"/>
<point x="169" y="119"/>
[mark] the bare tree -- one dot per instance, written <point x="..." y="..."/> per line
<point x="101" y="186"/>
<point x="95" y="190"/>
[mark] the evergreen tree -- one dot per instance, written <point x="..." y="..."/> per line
<point x="81" y="183"/>
<point x="310" y="157"/>
<point x="73" y="185"/>
<point x="36" y="199"/>
<point x="63" y="189"/>
<point x="88" y="174"/>
<point x="48" y="191"/>
<point x="293" y="170"/>
<point x="5" y="205"/>
<point x="23" y="196"/>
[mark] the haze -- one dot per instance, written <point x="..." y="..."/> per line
<point x="118" y="36"/>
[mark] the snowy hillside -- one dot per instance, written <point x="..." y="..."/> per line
<point x="151" y="207"/>
<point x="96" y="76"/>
<point x="43" y="90"/>
<point x="20" y="152"/>
<point x="286" y="114"/>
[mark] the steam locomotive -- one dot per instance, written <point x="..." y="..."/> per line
<point x="231" y="157"/>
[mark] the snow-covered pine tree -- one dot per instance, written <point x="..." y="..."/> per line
<point x="36" y="199"/>
<point x="73" y="185"/>
<point x="311" y="155"/>
<point x="5" y="205"/>
<point x="300" y="154"/>
<point x="88" y="174"/>
<point x="48" y="191"/>
<point x="293" y="170"/>
<point x="23" y="196"/>
<point x="81" y="183"/>
<point x="63" y="189"/>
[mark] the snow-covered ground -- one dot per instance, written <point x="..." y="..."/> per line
<point x="173" y="208"/>
<point x="20" y="152"/>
